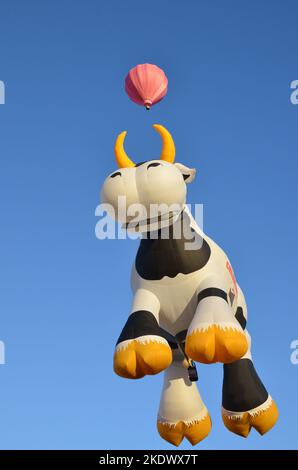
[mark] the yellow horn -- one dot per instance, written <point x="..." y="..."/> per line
<point x="168" y="146"/>
<point x="122" y="158"/>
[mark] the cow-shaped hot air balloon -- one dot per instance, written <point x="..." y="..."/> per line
<point x="187" y="305"/>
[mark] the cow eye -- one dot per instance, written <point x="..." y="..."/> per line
<point x="152" y="165"/>
<point x="116" y="174"/>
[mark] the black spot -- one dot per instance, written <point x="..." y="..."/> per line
<point x="160" y="257"/>
<point x="139" y="323"/>
<point x="240" y="317"/>
<point x="152" y="165"/>
<point x="212" y="292"/>
<point x="115" y="174"/>
<point x="242" y="387"/>
<point x="185" y="176"/>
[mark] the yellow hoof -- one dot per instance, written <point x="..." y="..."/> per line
<point x="194" y="432"/>
<point x="216" y="344"/>
<point x="240" y="426"/>
<point x="137" y="358"/>
<point x="262" y="420"/>
<point x="266" y="419"/>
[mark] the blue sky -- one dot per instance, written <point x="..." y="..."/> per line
<point x="64" y="295"/>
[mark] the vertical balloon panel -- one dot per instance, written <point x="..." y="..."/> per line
<point x="146" y="85"/>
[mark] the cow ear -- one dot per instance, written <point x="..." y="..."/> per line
<point x="187" y="173"/>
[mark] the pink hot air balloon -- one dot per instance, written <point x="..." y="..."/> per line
<point x="146" y="84"/>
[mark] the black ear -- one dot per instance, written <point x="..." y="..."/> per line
<point x="187" y="173"/>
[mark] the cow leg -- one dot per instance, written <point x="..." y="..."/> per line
<point x="141" y="349"/>
<point x="245" y="401"/>
<point x="182" y="412"/>
<point x="214" y="334"/>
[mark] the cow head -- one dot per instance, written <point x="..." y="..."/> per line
<point x="145" y="186"/>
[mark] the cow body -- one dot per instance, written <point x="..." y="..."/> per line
<point x="187" y="306"/>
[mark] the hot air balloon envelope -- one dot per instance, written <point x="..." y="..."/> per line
<point x="146" y="84"/>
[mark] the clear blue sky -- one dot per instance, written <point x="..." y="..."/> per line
<point x="64" y="295"/>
